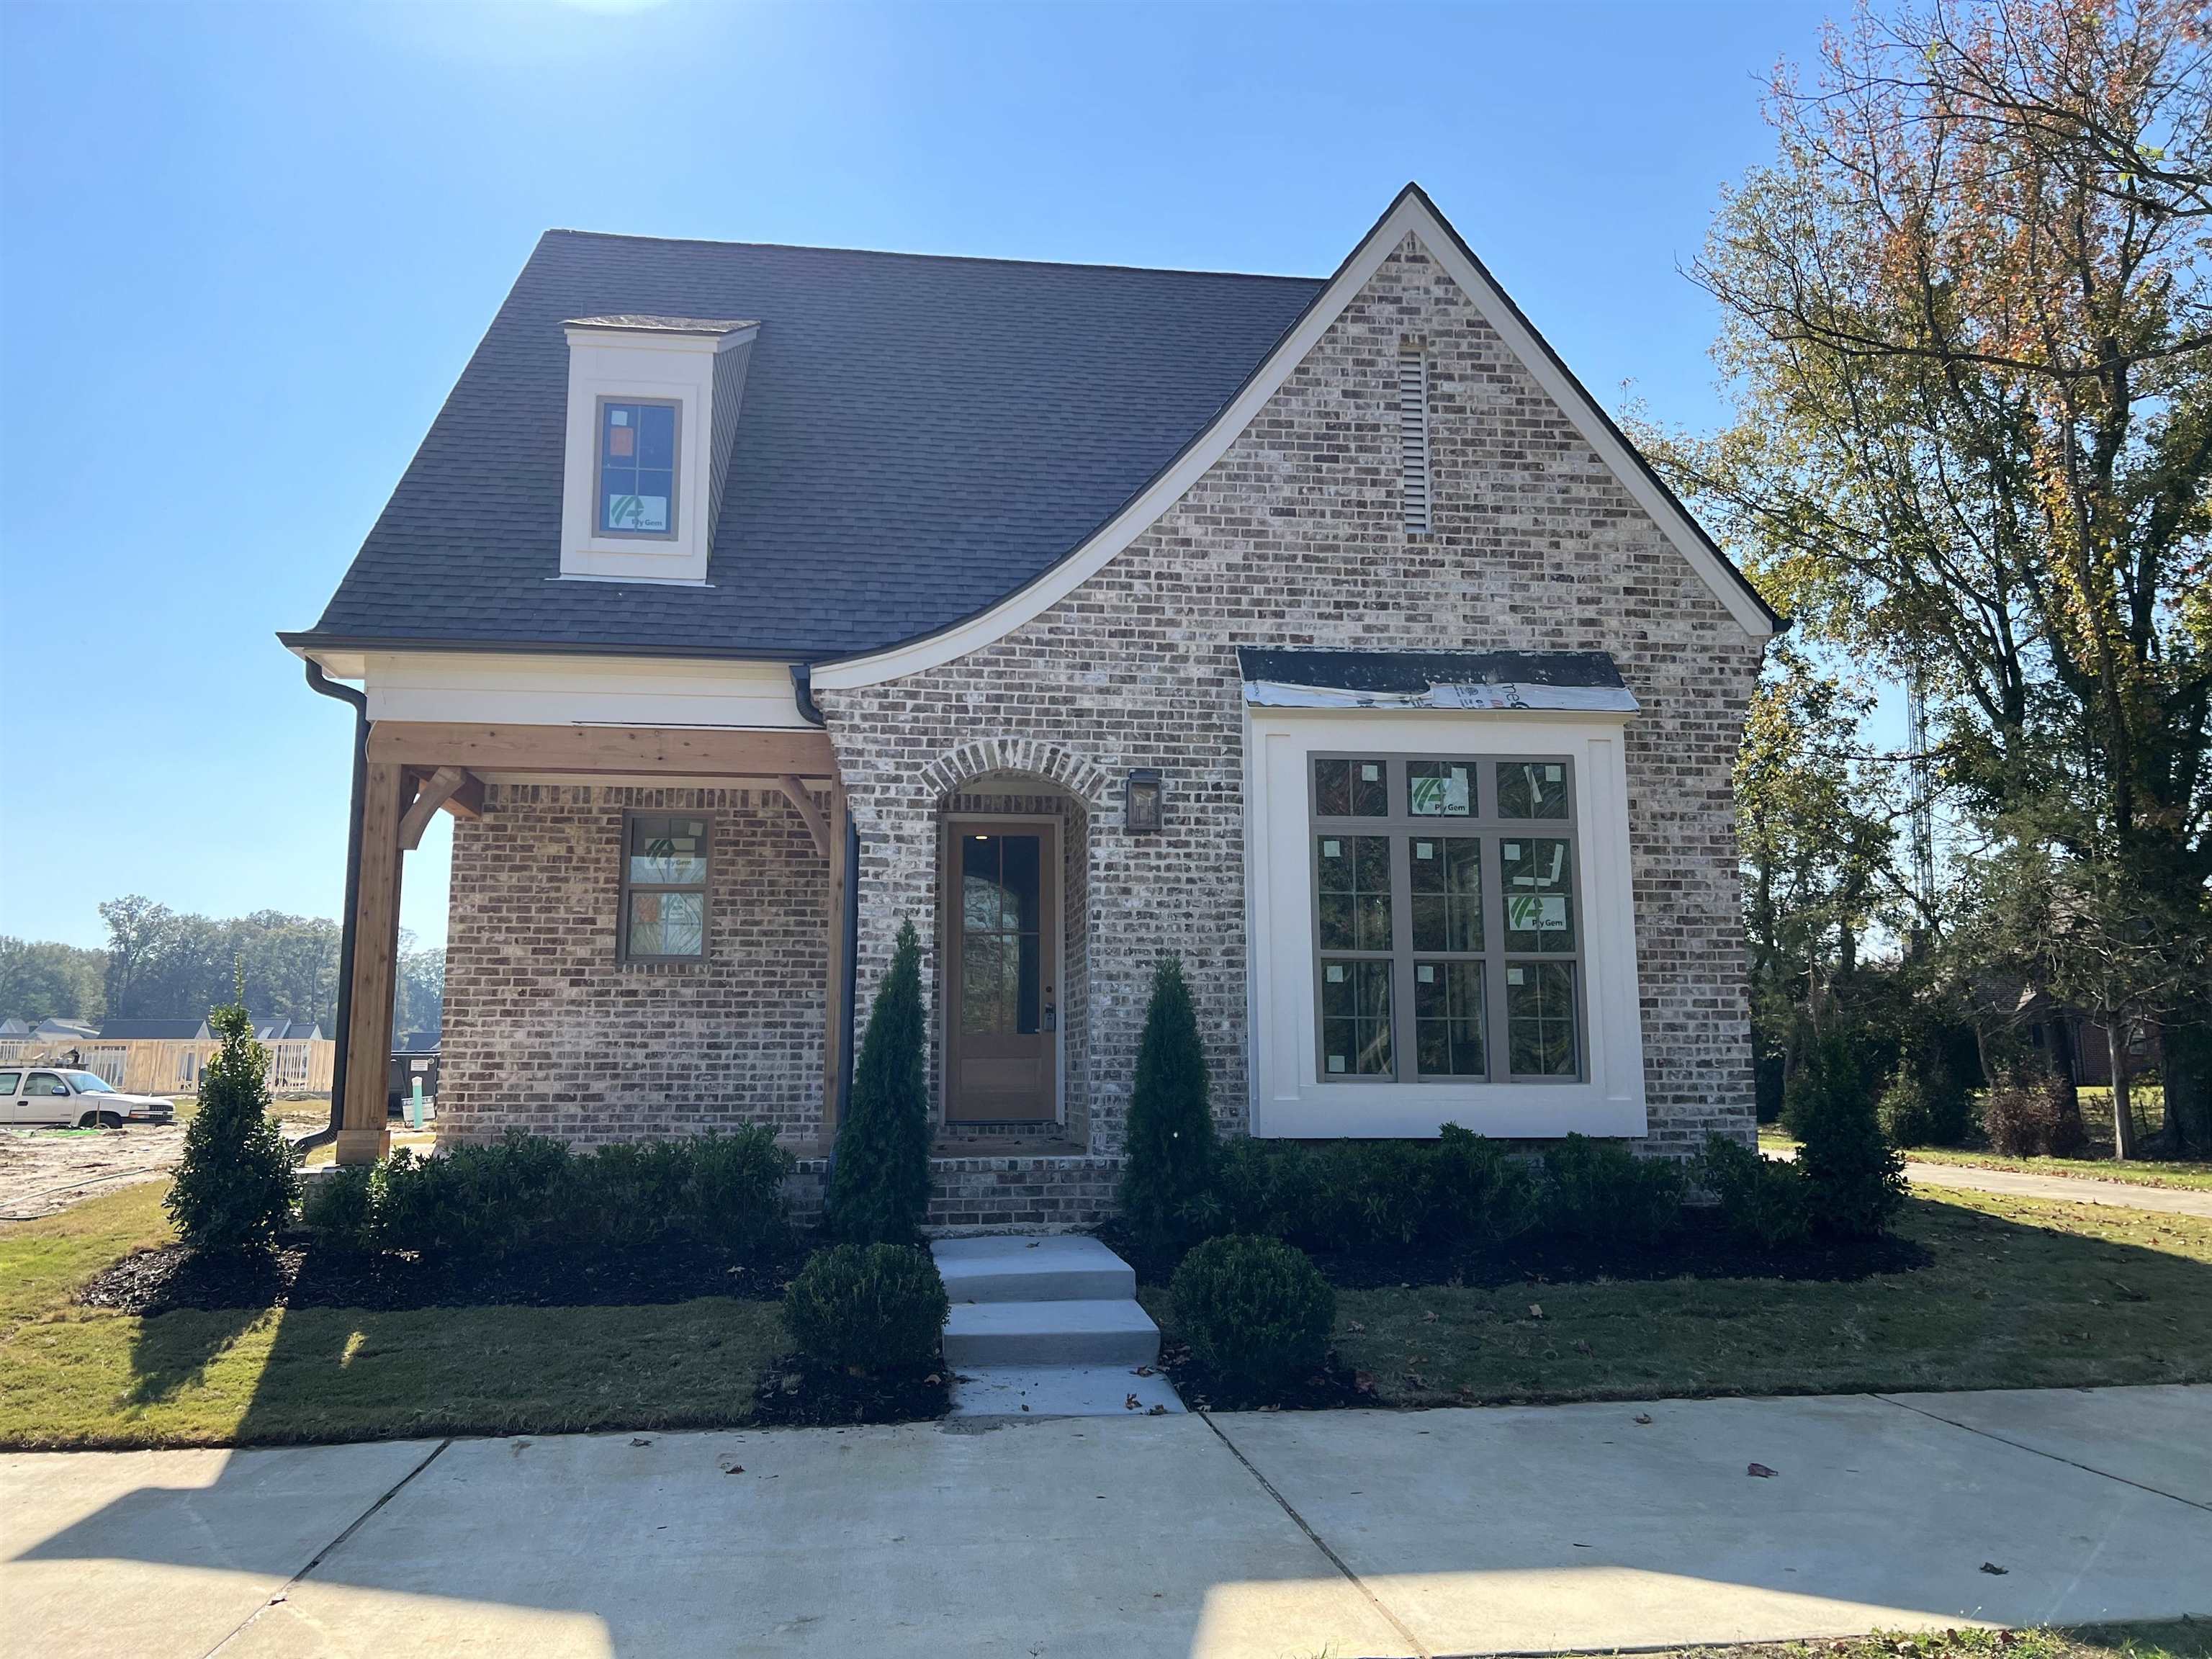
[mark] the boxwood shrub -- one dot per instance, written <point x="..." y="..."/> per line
<point x="868" y="1308"/>
<point x="1352" y="1194"/>
<point x="1763" y="1200"/>
<point x="1255" y="1311"/>
<point x="1601" y="1191"/>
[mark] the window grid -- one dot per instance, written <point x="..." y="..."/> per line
<point x="663" y="891"/>
<point x="1469" y="969"/>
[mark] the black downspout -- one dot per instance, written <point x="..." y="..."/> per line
<point x="318" y="681"/>
<point x="802" y="691"/>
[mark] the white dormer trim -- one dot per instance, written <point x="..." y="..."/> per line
<point x="1412" y="214"/>
<point x="650" y="361"/>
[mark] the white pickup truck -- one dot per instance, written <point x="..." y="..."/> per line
<point x="57" y="1095"/>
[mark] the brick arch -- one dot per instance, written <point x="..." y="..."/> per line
<point x="946" y="776"/>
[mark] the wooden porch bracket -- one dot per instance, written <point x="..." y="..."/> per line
<point x="803" y="803"/>
<point x="436" y="790"/>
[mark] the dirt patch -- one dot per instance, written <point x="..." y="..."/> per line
<point x="1702" y="1249"/>
<point x="301" y="1272"/>
<point x="44" y="1171"/>
<point x="795" y="1392"/>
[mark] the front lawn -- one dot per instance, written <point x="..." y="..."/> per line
<point x="74" y="1375"/>
<point x="2021" y="1294"/>
<point x="2189" y="1176"/>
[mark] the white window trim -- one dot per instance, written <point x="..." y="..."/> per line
<point x="1288" y="1097"/>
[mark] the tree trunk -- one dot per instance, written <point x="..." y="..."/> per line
<point x="2187" y="1069"/>
<point x="2066" y="1071"/>
<point x="2123" y="1122"/>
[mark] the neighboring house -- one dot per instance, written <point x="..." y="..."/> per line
<point x="744" y="602"/>
<point x="270" y="1028"/>
<point x="13" y="1028"/>
<point x="55" y="1028"/>
<point x="150" y="1030"/>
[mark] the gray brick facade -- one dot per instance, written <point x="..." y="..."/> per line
<point x="1295" y="538"/>
<point x="546" y="1029"/>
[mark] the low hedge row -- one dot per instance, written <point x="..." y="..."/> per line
<point x="720" y="1193"/>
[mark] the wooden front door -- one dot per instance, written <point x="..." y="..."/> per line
<point x="1002" y="973"/>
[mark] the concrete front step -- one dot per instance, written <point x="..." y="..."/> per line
<point x="1028" y="1334"/>
<point x="1039" y="1391"/>
<point x="1063" y="1267"/>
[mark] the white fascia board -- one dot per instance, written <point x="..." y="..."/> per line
<point x="516" y="689"/>
<point x="1411" y="214"/>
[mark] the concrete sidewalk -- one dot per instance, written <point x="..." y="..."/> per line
<point x="1262" y="1535"/>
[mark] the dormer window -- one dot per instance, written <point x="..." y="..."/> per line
<point x="653" y="405"/>
<point x="637" y="468"/>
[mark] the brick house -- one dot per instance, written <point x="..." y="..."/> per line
<point x="745" y="601"/>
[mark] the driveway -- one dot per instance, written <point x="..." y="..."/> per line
<point x="2065" y="1189"/>
<point x="46" y="1170"/>
<point x="1254" y="1535"/>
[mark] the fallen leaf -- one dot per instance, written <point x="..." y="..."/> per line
<point x="1131" y="1403"/>
<point x="1535" y="1310"/>
<point x="735" y="1468"/>
<point x="1158" y="1411"/>
<point x="1644" y="1417"/>
<point x="1992" y="1567"/>
<point x="640" y="1440"/>
<point x="1428" y="1317"/>
<point x="1353" y="1325"/>
<point x="1363" y="1381"/>
<point x="1760" y="1471"/>
<point x="1143" y="1371"/>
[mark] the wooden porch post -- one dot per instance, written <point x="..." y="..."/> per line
<point x="833" y="1026"/>
<point x="363" y="1133"/>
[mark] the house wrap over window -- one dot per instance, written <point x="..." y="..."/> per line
<point x="1446" y="939"/>
<point x="663" y="887"/>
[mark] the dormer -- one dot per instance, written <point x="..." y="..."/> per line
<point x="653" y="416"/>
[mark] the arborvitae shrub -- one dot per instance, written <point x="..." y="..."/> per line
<point x="1255" y="1312"/>
<point x="1763" y="1200"/>
<point x="1920" y="1106"/>
<point x="1828" y="1076"/>
<point x="235" y="1187"/>
<point x="1854" y="1177"/>
<point x="1168" y="1173"/>
<point x="879" y="1188"/>
<point x="867" y="1307"/>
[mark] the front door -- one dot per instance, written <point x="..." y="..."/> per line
<point x="1002" y="973"/>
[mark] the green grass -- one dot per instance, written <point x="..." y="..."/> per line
<point x="2022" y="1294"/>
<point x="2136" y="1172"/>
<point x="2179" y="1638"/>
<point x="72" y="1376"/>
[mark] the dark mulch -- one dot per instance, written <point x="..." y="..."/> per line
<point x="1703" y="1249"/>
<point x="300" y="1272"/>
<point x="1333" y="1388"/>
<point x="795" y="1392"/>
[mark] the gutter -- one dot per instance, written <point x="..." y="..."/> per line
<point x="322" y="683"/>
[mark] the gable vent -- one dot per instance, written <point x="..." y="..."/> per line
<point x="1413" y="438"/>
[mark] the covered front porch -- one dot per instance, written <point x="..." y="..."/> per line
<point x="649" y="929"/>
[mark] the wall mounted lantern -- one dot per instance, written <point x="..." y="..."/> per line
<point x="1143" y="800"/>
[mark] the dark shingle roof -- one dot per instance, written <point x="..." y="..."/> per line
<point x="167" y="1030"/>
<point x="921" y="436"/>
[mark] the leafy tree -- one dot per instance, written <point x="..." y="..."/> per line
<point x="1968" y="325"/>
<point x="41" y="979"/>
<point x="235" y="1187"/>
<point x="1817" y="848"/>
<point x="879" y="1187"/>
<point x="1170" y="1145"/>
<point x="1854" y="1180"/>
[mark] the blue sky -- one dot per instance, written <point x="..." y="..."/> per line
<point x="244" y="249"/>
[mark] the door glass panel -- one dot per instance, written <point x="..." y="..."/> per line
<point x="1001" y="950"/>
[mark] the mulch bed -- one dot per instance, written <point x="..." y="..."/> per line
<point x="302" y="1273"/>
<point x="1333" y="1388"/>
<point x="1702" y="1249"/>
<point x="795" y="1392"/>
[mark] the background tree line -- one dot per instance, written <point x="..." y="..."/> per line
<point x="162" y="963"/>
<point x="1968" y="335"/>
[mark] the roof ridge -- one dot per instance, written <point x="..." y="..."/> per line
<point x="935" y="259"/>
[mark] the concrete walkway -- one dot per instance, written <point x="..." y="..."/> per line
<point x="2068" y="1189"/>
<point x="1250" y="1536"/>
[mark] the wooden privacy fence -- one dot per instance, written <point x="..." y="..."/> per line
<point x="148" y="1066"/>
